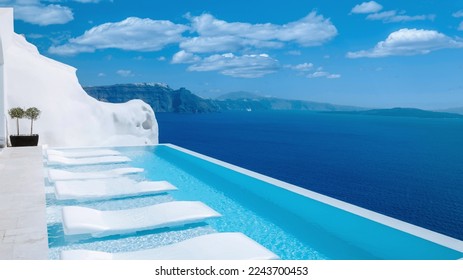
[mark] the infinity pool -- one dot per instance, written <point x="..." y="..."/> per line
<point x="292" y="222"/>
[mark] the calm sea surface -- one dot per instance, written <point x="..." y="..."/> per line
<point x="407" y="168"/>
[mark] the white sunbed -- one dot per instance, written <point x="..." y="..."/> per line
<point x="108" y="188"/>
<point x="83" y="220"/>
<point x="63" y="175"/>
<point x="59" y="160"/>
<point x="82" y="153"/>
<point x="216" y="246"/>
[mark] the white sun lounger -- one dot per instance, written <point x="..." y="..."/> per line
<point x="108" y="188"/>
<point x="83" y="220"/>
<point x="62" y="175"/>
<point x="59" y="160"/>
<point x="82" y="153"/>
<point x="216" y="246"/>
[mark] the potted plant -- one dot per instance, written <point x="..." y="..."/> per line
<point x="24" y="140"/>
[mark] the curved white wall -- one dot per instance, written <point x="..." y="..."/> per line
<point x="69" y="117"/>
<point x="2" y="100"/>
<point x="6" y="29"/>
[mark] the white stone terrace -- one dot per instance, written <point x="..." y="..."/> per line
<point x="23" y="226"/>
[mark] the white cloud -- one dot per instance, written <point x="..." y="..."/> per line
<point x="458" y="14"/>
<point x="323" y="74"/>
<point x="70" y="49"/>
<point x="133" y="34"/>
<point x="372" y="8"/>
<point x="184" y="57"/>
<point x="367" y="8"/>
<point x="294" y="52"/>
<point x="35" y="36"/>
<point x="34" y="12"/>
<point x="303" y="67"/>
<point x="124" y="73"/>
<point x="101" y="74"/>
<point x="217" y="35"/>
<point x="161" y="58"/>
<point x="382" y="15"/>
<point x="394" y="16"/>
<point x="210" y="35"/>
<point x="223" y="44"/>
<point x="333" y="76"/>
<point x="246" y="66"/>
<point x="409" y="42"/>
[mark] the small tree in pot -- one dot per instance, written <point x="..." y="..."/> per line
<point x="32" y="114"/>
<point x="17" y="113"/>
<point x="24" y="140"/>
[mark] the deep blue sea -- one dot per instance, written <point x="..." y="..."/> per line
<point x="406" y="168"/>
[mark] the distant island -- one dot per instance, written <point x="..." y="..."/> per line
<point x="163" y="98"/>
<point x="406" y="112"/>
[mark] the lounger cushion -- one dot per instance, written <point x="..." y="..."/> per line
<point x="82" y="153"/>
<point x="59" y="175"/>
<point x="83" y="220"/>
<point x="108" y="188"/>
<point x="60" y="160"/>
<point x="216" y="246"/>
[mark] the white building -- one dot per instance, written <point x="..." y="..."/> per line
<point x="70" y="117"/>
<point x="6" y="29"/>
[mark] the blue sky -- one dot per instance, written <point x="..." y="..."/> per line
<point x="377" y="54"/>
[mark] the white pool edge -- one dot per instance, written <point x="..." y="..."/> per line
<point x="421" y="232"/>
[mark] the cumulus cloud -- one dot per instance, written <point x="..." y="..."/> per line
<point x="35" y="36"/>
<point x="309" y="67"/>
<point x="373" y="9"/>
<point x="184" y="57"/>
<point x="222" y="44"/>
<point x="124" y="73"/>
<point x="245" y="66"/>
<point x="218" y="35"/>
<point x="34" y="12"/>
<point x="294" y="52"/>
<point x="458" y="14"/>
<point x="409" y="42"/>
<point x="320" y="73"/>
<point x="333" y="76"/>
<point x="303" y="67"/>
<point x="367" y="8"/>
<point x="133" y="34"/>
<point x="394" y="16"/>
<point x="207" y="40"/>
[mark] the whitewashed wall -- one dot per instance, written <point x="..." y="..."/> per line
<point x="6" y="30"/>
<point x="69" y="116"/>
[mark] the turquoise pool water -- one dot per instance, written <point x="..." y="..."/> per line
<point x="291" y="225"/>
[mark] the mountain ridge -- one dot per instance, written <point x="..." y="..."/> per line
<point x="406" y="112"/>
<point x="162" y="98"/>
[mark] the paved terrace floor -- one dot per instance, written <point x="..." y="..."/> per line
<point x="23" y="226"/>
